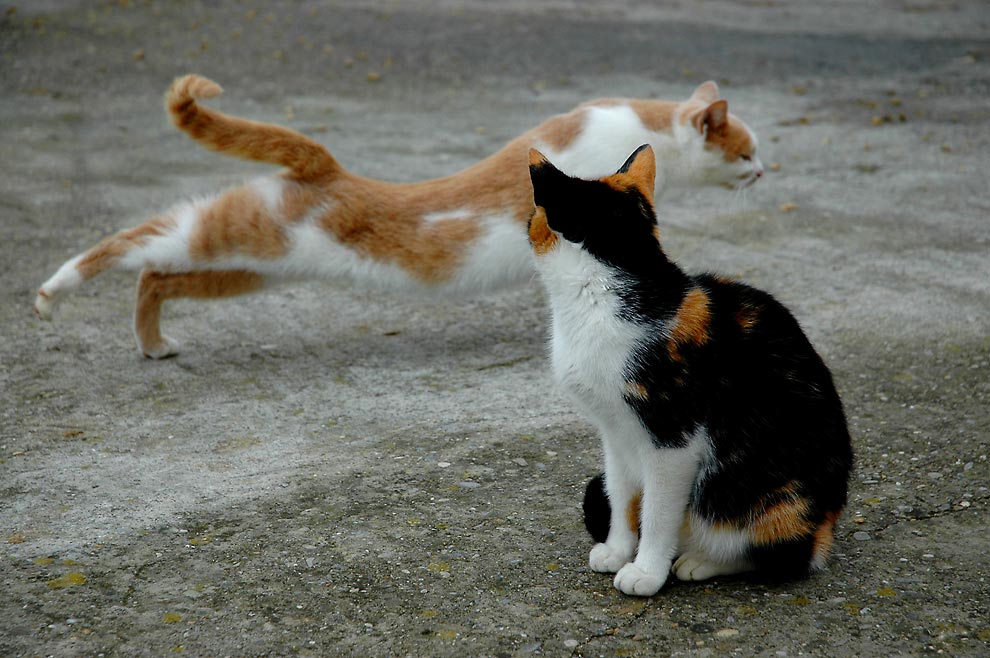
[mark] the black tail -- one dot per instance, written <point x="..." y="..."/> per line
<point x="597" y="513"/>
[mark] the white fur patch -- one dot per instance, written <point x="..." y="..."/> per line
<point x="444" y="215"/>
<point x="270" y="190"/>
<point x="169" y="251"/>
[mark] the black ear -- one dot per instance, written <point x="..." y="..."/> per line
<point x="547" y="179"/>
<point x="555" y="191"/>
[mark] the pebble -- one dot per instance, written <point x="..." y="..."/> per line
<point x="727" y="632"/>
<point x="520" y="461"/>
<point x="862" y="536"/>
<point x="570" y="644"/>
<point x="443" y="464"/>
<point x="468" y="485"/>
<point x="310" y="561"/>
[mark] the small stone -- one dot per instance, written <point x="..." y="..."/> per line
<point x="570" y="644"/>
<point x="862" y="536"/>
<point x="468" y="484"/>
<point x="443" y="464"/>
<point x="727" y="632"/>
<point x="310" y="562"/>
<point x="788" y="207"/>
<point x="520" y="461"/>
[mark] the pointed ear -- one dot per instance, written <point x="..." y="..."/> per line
<point x="714" y="119"/>
<point x="536" y="159"/>
<point x="639" y="172"/>
<point x="707" y="92"/>
<point x="546" y="178"/>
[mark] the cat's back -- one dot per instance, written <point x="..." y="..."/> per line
<point x="760" y="353"/>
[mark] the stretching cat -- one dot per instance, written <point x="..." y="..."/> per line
<point x="462" y="233"/>
<point x="725" y="441"/>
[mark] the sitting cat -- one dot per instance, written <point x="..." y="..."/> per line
<point x="725" y="441"/>
<point x="462" y="233"/>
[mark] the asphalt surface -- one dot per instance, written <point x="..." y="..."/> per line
<point x="325" y="471"/>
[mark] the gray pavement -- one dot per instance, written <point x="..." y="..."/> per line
<point x="325" y="471"/>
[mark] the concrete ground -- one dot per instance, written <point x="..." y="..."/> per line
<point x="333" y="472"/>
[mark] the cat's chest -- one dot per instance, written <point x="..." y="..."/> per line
<point x="591" y="351"/>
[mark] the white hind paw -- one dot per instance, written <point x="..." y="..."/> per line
<point x="634" y="581"/>
<point x="44" y="304"/>
<point x="166" y="348"/>
<point x="698" y="566"/>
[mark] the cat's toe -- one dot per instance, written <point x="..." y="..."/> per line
<point x="634" y="581"/>
<point x="165" y="348"/>
<point x="692" y="566"/>
<point x="604" y="559"/>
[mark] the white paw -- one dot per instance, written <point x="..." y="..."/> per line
<point x="604" y="559"/>
<point x="634" y="581"/>
<point x="166" y="348"/>
<point x="698" y="566"/>
<point x="44" y="304"/>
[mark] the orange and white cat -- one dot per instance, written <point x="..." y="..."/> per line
<point x="462" y="233"/>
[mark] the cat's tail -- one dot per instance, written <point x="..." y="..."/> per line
<point x="597" y="513"/>
<point x="264" y="142"/>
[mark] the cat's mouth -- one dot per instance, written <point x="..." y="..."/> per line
<point x="747" y="180"/>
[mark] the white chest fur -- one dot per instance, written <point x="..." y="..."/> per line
<point x="591" y="345"/>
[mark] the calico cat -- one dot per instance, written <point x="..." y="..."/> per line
<point x="725" y="441"/>
<point x="462" y="233"/>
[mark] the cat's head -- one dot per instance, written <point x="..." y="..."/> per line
<point x="611" y="218"/>
<point x="721" y="146"/>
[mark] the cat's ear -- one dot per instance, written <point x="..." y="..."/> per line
<point x="639" y="172"/>
<point x="707" y="92"/>
<point x="554" y="192"/>
<point x="547" y="179"/>
<point x="714" y="119"/>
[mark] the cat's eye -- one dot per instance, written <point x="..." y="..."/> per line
<point x="746" y="157"/>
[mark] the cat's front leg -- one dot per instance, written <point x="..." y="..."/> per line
<point x="623" y="494"/>
<point x="665" y="498"/>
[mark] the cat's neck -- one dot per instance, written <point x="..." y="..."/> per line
<point x="648" y="283"/>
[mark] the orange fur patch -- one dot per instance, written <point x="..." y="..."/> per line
<point x="691" y="322"/>
<point x="637" y="391"/>
<point x="640" y="175"/>
<point x="155" y="288"/>
<point x="733" y="142"/>
<point x="107" y="252"/>
<point x="782" y="521"/>
<point x="632" y="512"/>
<point x="657" y="116"/>
<point x="560" y="131"/>
<point x="747" y="317"/>
<point x="825" y="536"/>
<point x="541" y="236"/>
<point x="238" y="223"/>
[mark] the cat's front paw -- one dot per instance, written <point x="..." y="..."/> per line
<point x="604" y="559"/>
<point x="634" y="581"/>
<point x="45" y="303"/>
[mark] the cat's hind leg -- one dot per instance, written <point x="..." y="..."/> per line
<point x="712" y="549"/>
<point x="155" y="288"/>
